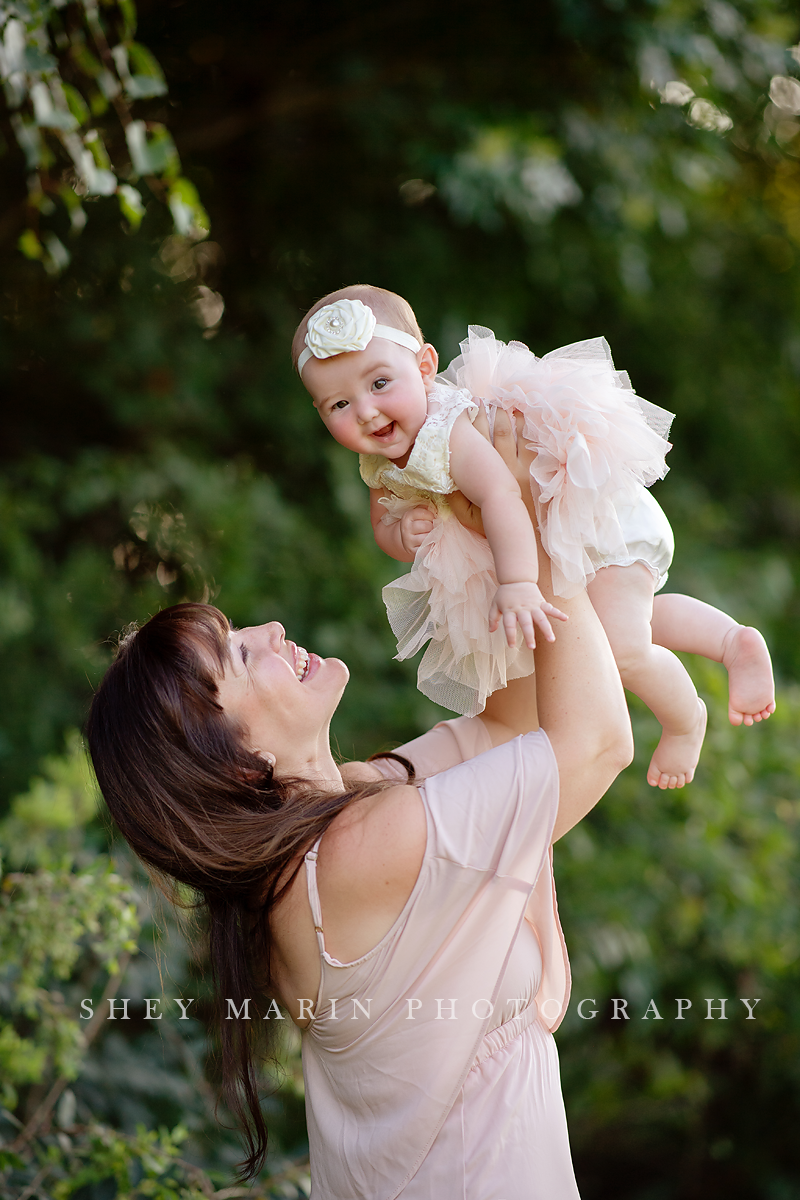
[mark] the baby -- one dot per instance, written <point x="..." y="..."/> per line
<point x="374" y="381"/>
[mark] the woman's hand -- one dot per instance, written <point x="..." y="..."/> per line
<point x="509" y="444"/>
<point x="516" y="456"/>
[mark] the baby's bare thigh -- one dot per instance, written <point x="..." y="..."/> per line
<point x="622" y="597"/>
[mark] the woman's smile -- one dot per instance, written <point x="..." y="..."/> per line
<point x="306" y="664"/>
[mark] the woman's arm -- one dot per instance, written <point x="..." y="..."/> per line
<point x="581" y="704"/>
<point x="480" y="473"/>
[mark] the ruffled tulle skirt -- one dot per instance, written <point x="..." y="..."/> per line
<point x="445" y="600"/>
<point x="596" y="442"/>
<point x="597" y="446"/>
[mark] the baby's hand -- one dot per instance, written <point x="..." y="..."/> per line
<point x="523" y="603"/>
<point x="415" y="525"/>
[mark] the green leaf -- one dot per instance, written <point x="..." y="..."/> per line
<point x="191" y="219"/>
<point x="131" y="203"/>
<point x="30" y="141"/>
<point x="93" y="140"/>
<point x="37" y="61"/>
<point x="84" y="59"/>
<point x="128" y="10"/>
<point x="77" y="105"/>
<point x="30" y="245"/>
<point x="146" y="68"/>
<point x="142" y="87"/>
<point x="152" y="150"/>
<point x="46" y="113"/>
<point x="98" y="104"/>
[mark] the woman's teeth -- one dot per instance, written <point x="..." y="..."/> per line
<point x="301" y="663"/>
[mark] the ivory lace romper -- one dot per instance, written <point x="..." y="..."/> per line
<point x="434" y="1075"/>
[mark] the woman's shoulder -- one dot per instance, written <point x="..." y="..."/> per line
<point x="382" y="835"/>
<point x="369" y="862"/>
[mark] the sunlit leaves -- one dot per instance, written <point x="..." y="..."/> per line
<point x="130" y="202"/>
<point x="505" y="169"/>
<point x="55" y="120"/>
<point x="191" y="219"/>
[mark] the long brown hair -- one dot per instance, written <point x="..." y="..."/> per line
<point x="198" y="807"/>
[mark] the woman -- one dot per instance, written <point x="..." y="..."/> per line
<point x="410" y="931"/>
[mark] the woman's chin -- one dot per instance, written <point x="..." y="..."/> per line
<point x="341" y="667"/>
<point x="331" y="668"/>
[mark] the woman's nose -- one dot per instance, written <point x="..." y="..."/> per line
<point x="274" y="632"/>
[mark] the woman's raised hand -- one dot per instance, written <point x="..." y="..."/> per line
<point x="510" y="445"/>
<point x="516" y="456"/>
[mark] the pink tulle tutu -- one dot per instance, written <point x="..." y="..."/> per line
<point x="597" y="443"/>
<point x="446" y="597"/>
<point x="596" y="446"/>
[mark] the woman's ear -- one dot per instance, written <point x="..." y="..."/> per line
<point x="428" y="361"/>
<point x="267" y="756"/>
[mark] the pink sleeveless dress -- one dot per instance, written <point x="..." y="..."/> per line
<point x="430" y="1068"/>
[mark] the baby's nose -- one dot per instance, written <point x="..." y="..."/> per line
<point x="367" y="412"/>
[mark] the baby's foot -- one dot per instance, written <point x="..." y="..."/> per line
<point x="751" y="691"/>
<point x="676" y="754"/>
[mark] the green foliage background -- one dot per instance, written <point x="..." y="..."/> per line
<point x="516" y="167"/>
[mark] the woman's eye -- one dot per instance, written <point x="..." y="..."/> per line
<point x="245" y="653"/>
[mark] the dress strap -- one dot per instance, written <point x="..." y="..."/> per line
<point x="313" y="892"/>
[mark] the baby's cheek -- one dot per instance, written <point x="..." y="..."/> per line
<point x="337" y="429"/>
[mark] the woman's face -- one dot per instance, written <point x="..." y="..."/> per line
<point x="281" y="696"/>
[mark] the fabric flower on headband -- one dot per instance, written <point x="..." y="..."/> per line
<point x="340" y="327"/>
<point x="347" y="325"/>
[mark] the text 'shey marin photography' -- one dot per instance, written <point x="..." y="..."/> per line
<point x="617" y="1009"/>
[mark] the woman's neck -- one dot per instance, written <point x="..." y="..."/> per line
<point x="316" y="765"/>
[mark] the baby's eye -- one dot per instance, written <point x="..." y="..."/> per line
<point x="339" y="404"/>
<point x="380" y="384"/>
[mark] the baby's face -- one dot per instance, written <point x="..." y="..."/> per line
<point x="373" y="401"/>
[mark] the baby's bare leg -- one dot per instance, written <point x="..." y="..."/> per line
<point x="688" y="625"/>
<point x="623" y="600"/>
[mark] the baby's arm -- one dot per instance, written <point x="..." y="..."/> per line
<point x="400" y="539"/>
<point x="479" y="472"/>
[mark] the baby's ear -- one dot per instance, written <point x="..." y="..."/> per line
<point x="428" y="361"/>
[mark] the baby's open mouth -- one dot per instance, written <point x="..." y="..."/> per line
<point x="385" y="432"/>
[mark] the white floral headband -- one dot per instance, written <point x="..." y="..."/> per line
<point x="347" y="325"/>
